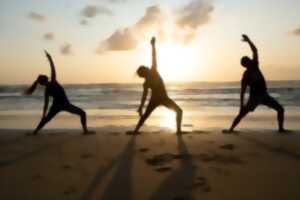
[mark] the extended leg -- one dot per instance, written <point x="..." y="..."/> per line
<point x="151" y="106"/>
<point x="51" y="114"/>
<point x="173" y="106"/>
<point x="272" y="103"/>
<point x="78" y="111"/>
<point x="243" y="112"/>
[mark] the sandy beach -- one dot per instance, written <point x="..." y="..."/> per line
<point x="204" y="164"/>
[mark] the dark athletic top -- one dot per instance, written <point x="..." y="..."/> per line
<point x="55" y="90"/>
<point x="255" y="80"/>
<point x="156" y="84"/>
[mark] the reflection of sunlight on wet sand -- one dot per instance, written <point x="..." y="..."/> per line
<point x="168" y="119"/>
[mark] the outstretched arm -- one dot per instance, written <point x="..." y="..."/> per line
<point x="252" y="46"/>
<point x="53" y="72"/>
<point x="154" y="62"/>
<point x="144" y="97"/>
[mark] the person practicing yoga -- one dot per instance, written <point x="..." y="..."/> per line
<point x="259" y="95"/>
<point x="60" y="99"/>
<point x="159" y="94"/>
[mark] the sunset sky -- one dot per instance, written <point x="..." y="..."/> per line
<point x="100" y="41"/>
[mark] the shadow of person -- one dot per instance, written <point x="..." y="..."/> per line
<point x="33" y="151"/>
<point x="275" y="149"/>
<point x="120" y="185"/>
<point x="178" y="184"/>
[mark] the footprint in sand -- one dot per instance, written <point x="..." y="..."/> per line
<point x="115" y="133"/>
<point x="221" y="158"/>
<point x="220" y="171"/>
<point x="66" y="166"/>
<point x="86" y="156"/>
<point x="179" y="198"/>
<point x="163" y="169"/>
<point x="160" y="159"/>
<point x="202" y="182"/>
<point x="36" y="177"/>
<point x="70" y="190"/>
<point x="206" y="189"/>
<point x="143" y="150"/>
<point x="228" y="147"/>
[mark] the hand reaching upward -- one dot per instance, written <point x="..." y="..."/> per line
<point x="245" y="38"/>
<point x="153" y="41"/>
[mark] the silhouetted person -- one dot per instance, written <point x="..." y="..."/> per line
<point x="159" y="94"/>
<point x="258" y="89"/>
<point x="60" y="99"/>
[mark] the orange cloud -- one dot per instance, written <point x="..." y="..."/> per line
<point x="180" y="26"/>
<point x="66" y="49"/>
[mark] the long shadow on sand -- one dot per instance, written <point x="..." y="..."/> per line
<point x="12" y="141"/>
<point x="29" y="154"/>
<point x="179" y="184"/>
<point x="278" y="149"/>
<point x="120" y="185"/>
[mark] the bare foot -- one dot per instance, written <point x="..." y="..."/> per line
<point x="284" y="131"/>
<point x="30" y="134"/>
<point x="227" y="131"/>
<point x="132" y="132"/>
<point x="89" y="132"/>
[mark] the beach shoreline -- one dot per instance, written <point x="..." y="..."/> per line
<point x="157" y="164"/>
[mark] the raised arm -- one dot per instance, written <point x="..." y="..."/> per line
<point x="144" y="97"/>
<point x="252" y="46"/>
<point x="154" y="62"/>
<point x="53" y="72"/>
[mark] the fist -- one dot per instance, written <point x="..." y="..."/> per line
<point x="46" y="52"/>
<point x="245" y="38"/>
<point x="153" y="40"/>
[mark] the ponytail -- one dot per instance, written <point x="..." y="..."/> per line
<point x="32" y="88"/>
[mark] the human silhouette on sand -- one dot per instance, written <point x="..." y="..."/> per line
<point x="60" y="99"/>
<point x="254" y="78"/>
<point x="159" y="94"/>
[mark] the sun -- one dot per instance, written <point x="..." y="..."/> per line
<point x="175" y="62"/>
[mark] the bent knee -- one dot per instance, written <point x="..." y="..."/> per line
<point x="82" y="113"/>
<point x="244" y="111"/>
<point x="179" y="111"/>
<point x="280" y="109"/>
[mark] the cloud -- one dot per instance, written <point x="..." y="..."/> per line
<point x="181" y="26"/>
<point x="48" y="36"/>
<point x="194" y="14"/>
<point x="153" y="18"/>
<point x="120" y="40"/>
<point x="66" y="49"/>
<point x="117" y="1"/>
<point x="92" y="11"/>
<point x="190" y="17"/>
<point x="84" y="22"/>
<point x="296" y="32"/>
<point x="37" y="17"/>
<point x="127" y="38"/>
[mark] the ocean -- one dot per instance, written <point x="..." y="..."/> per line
<point x="121" y="101"/>
<point x="192" y="96"/>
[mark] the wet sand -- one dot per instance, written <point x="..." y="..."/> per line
<point x="205" y="164"/>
